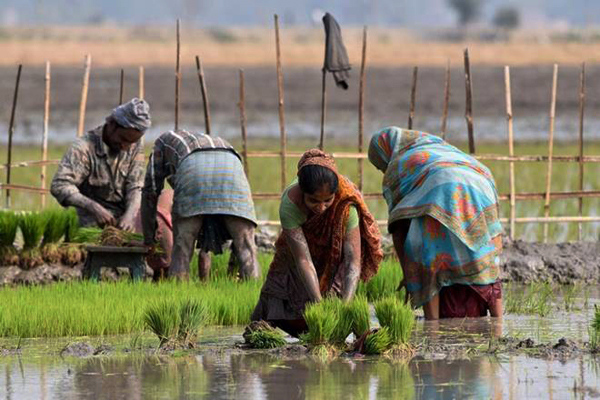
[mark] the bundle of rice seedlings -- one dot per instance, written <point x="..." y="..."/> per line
<point x="321" y="323"/>
<point x="261" y="335"/>
<point x="343" y="327"/>
<point x="192" y="315"/>
<point x="56" y="222"/>
<point x="162" y="318"/>
<point x="9" y="222"/>
<point x="32" y="227"/>
<point x="377" y="342"/>
<point x="359" y="311"/>
<point x="72" y="254"/>
<point x="398" y="317"/>
<point x="595" y="331"/>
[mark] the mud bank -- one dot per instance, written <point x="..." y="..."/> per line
<point x="562" y="263"/>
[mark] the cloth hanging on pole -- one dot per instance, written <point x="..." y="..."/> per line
<point x="336" y="56"/>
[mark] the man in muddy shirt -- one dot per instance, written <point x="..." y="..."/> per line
<point x="102" y="174"/>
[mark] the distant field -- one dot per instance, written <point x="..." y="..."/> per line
<point x="265" y="177"/>
<point x="111" y="46"/>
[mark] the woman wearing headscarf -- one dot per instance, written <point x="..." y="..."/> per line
<point x="329" y="240"/>
<point x="443" y="217"/>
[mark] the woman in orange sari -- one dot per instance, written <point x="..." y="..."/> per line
<point x="329" y="240"/>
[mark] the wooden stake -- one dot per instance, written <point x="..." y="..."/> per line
<point x="469" y="102"/>
<point x="11" y="131"/>
<point x="323" y="108"/>
<point x="581" y="165"/>
<point x="177" y="75"/>
<point x="121" y="86"/>
<point x="242" y="106"/>
<point x="204" y="95"/>
<point x="45" y="132"/>
<point x="509" y="118"/>
<point x="283" y="138"/>
<point x="84" y="93"/>
<point x="550" y="150"/>
<point x="413" y="98"/>
<point x="446" y="101"/>
<point x="361" y="107"/>
<point x="141" y="83"/>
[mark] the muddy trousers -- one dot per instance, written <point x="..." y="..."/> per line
<point x="185" y="232"/>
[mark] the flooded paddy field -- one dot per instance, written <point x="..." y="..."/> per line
<point x="520" y="356"/>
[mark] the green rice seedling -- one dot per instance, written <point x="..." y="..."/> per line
<point x="9" y="223"/>
<point x="32" y="227"/>
<point x="192" y="315"/>
<point x="72" y="253"/>
<point x="535" y="299"/>
<point x="377" y="342"/>
<point x="595" y="331"/>
<point x="321" y="323"/>
<point x="359" y="312"/>
<point x="261" y="335"/>
<point x="570" y="293"/>
<point x="385" y="283"/>
<point x="162" y="318"/>
<point x="56" y="222"/>
<point x="87" y="235"/>
<point x="399" y="319"/>
<point x="343" y="327"/>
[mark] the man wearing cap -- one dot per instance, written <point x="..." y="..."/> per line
<point x="102" y="173"/>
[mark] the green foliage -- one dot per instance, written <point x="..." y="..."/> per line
<point x="9" y="223"/>
<point x="56" y="223"/>
<point x="359" y="312"/>
<point x="385" y="283"/>
<point x="72" y="225"/>
<point x="398" y="317"/>
<point x="177" y="323"/>
<point x="321" y="322"/>
<point x="261" y="335"/>
<point x="595" y="331"/>
<point x="378" y="341"/>
<point x="535" y="299"/>
<point x="32" y="227"/>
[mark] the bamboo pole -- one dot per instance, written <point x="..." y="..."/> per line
<point x="281" y="105"/>
<point x="413" y="98"/>
<point x="141" y="82"/>
<point x="84" y="93"/>
<point x="550" y="150"/>
<point x="177" y="75"/>
<point x="469" y="102"/>
<point x="446" y="101"/>
<point x="509" y="119"/>
<point x="205" y="103"/>
<point x="581" y="164"/>
<point x="45" y="131"/>
<point x="323" y="108"/>
<point x="121" y="84"/>
<point x="242" y="105"/>
<point x="11" y="131"/>
<point x="361" y="108"/>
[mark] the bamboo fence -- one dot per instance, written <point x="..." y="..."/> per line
<point x="513" y="197"/>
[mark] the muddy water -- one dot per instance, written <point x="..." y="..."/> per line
<point x="262" y="376"/>
<point x="452" y="361"/>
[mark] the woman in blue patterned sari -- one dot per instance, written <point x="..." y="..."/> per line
<point x="443" y="217"/>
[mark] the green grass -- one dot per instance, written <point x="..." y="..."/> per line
<point x="265" y="176"/>
<point x="385" y="283"/>
<point x="321" y="321"/>
<point x="9" y="224"/>
<point x="261" y="335"/>
<point x="595" y="331"/>
<point x="32" y="226"/>
<point x="398" y="317"/>
<point x="176" y="322"/>
<point x="534" y="299"/>
<point x="378" y="342"/>
<point x="359" y="312"/>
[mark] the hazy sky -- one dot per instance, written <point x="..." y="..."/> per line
<point x="410" y="13"/>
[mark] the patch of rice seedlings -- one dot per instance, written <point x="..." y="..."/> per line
<point x="360" y="314"/>
<point x="162" y="319"/>
<point x="385" y="283"/>
<point x="71" y="252"/>
<point x="343" y="327"/>
<point x="399" y="319"/>
<point x="192" y="315"/>
<point x="321" y="323"/>
<point x="534" y="299"/>
<point x="72" y="225"/>
<point x="261" y="335"/>
<point x="9" y="223"/>
<point x="377" y="342"/>
<point x="56" y="222"/>
<point x="32" y="228"/>
<point x="569" y="293"/>
<point x="595" y="331"/>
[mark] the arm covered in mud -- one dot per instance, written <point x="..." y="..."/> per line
<point x="133" y="188"/>
<point x="299" y="247"/>
<point x="351" y="263"/>
<point x="153" y="186"/>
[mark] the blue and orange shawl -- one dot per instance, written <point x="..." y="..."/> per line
<point x="452" y="202"/>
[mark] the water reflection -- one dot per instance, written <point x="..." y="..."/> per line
<point x="261" y="376"/>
